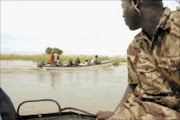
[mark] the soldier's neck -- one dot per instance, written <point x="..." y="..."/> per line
<point x="149" y="20"/>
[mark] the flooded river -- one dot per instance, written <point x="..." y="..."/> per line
<point x="90" y="90"/>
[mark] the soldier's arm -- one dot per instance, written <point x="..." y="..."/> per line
<point x="130" y="88"/>
<point x="103" y="115"/>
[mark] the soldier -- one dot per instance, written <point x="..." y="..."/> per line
<point x="153" y="63"/>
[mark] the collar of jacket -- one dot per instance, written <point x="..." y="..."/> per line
<point x="164" y="24"/>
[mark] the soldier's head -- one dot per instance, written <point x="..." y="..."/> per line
<point x="133" y="10"/>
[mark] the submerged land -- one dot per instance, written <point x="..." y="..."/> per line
<point x="64" y="58"/>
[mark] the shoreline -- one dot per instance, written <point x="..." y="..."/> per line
<point x="64" y="58"/>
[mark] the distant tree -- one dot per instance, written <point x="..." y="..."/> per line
<point x="56" y="50"/>
<point x="48" y="50"/>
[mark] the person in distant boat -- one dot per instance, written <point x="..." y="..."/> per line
<point x="7" y="111"/>
<point x="70" y="64"/>
<point x="58" y="60"/>
<point x="52" y="58"/>
<point x="87" y="63"/>
<point x="77" y="62"/>
<point x="95" y="60"/>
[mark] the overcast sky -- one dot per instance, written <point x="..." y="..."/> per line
<point x="76" y="27"/>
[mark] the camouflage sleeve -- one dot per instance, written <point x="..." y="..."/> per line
<point x="175" y="36"/>
<point x="153" y="84"/>
<point x="135" y="109"/>
<point x="169" y="60"/>
<point x="132" y="58"/>
<point x="155" y="78"/>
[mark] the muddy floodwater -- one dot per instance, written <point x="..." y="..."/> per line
<point x="90" y="90"/>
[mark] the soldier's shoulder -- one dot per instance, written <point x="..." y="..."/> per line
<point x="137" y="39"/>
<point x="134" y="46"/>
<point x="175" y="15"/>
<point x="175" y="24"/>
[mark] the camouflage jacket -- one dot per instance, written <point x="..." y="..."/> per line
<point x="154" y="66"/>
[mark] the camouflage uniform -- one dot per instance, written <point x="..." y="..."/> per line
<point x="154" y="66"/>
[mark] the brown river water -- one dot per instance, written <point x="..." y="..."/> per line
<point x="89" y="90"/>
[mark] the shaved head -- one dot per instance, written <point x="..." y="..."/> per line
<point x="137" y="12"/>
<point x="151" y="3"/>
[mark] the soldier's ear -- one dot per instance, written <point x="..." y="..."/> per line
<point x="135" y="4"/>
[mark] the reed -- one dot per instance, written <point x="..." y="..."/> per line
<point x="64" y="58"/>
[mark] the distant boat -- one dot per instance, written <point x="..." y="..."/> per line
<point x="103" y="64"/>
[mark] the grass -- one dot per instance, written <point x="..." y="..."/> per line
<point x="64" y="58"/>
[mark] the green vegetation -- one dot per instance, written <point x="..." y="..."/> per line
<point x="64" y="58"/>
<point x="25" y="57"/>
<point x="56" y="50"/>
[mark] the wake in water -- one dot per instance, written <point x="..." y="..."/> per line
<point x="18" y="65"/>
